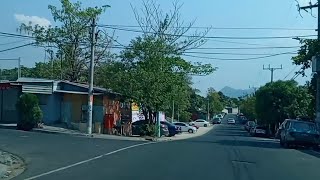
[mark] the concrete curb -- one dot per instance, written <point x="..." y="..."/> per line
<point x="57" y="132"/>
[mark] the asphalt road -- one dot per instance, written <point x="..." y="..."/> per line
<point x="226" y="153"/>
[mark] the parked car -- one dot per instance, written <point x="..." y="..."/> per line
<point x="260" y="131"/>
<point x="194" y="126"/>
<point x="249" y="125"/>
<point x="216" y="120"/>
<point x="295" y="132"/>
<point x="138" y="126"/>
<point x="231" y="121"/>
<point x="200" y="123"/>
<point x="171" y="127"/>
<point x="184" y="127"/>
<point x="219" y="116"/>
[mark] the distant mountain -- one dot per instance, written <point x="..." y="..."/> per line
<point x="235" y="93"/>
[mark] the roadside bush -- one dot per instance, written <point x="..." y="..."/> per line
<point x="148" y="130"/>
<point x="30" y="112"/>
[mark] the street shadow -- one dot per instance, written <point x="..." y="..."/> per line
<point x="315" y="153"/>
<point x="241" y="143"/>
<point x="233" y="134"/>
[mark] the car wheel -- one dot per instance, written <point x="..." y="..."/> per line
<point x="205" y="125"/>
<point x="190" y="130"/>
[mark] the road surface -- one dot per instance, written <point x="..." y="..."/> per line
<point x="225" y="153"/>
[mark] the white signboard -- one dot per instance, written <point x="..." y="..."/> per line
<point x="137" y="116"/>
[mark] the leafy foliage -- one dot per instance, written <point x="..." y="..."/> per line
<point x="280" y="100"/>
<point x="309" y="48"/>
<point x="215" y="101"/>
<point x="30" y="111"/>
<point x="71" y="37"/>
<point x="248" y="107"/>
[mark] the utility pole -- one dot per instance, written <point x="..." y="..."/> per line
<point x="172" y="117"/>
<point x="208" y="112"/>
<point x="90" y="92"/>
<point x="61" y="66"/>
<point x="272" y="69"/>
<point x="19" y="67"/>
<point x="51" y="59"/>
<point x="311" y="6"/>
<point x="178" y="114"/>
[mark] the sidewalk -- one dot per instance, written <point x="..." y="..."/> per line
<point x="61" y="130"/>
<point x="57" y="130"/>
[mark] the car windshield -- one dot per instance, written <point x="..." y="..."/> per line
<point x="302" y="126"/>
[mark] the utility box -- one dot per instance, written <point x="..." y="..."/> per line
<point x="315" y="63"/>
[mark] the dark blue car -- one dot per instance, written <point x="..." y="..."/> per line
<point x="171" y="128"/>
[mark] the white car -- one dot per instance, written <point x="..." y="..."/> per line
<point x="231" y="121"/>
<point x="200" y="123"/>
<point x="219" y="116"/>
<point x="184" y="127"/>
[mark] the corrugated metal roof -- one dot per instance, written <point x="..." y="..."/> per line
<point x="25" y="79"/>
<point x="77" y="92"/>
<point x="42" y="80"/>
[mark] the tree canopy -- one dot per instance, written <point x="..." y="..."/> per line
<point x="280" y="100"/>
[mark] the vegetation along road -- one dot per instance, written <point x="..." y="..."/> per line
<point x="225" y="153"/>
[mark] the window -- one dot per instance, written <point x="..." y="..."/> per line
<point x="286" y="125"/>
<point x="199" y="120"/>
<point x="302" y="126"/>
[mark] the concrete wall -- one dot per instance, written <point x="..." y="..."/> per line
<point x="51" y="107"/>
<point x="77" y="103"/>
<point x="8" y="101"/>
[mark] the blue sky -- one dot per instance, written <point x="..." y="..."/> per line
<point x="231" y="13"/>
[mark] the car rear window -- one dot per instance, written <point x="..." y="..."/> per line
<point x="302" y="126"/>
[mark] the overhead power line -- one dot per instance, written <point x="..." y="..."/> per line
<point x="16" y="47"/>
<point x="212" y="37"/>
<point x="295" y="67"/>
<point x="238" y="59"/>
<point x="15" y="35"/>
<point x="237" y="54"/>
<point x="13" y="42"/>
<point x="219" y="28"/>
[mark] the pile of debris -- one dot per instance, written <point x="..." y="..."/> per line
<point x="10" y="165"/>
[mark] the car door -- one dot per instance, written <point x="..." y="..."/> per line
<point x="199" y="123"/>
<point x="179" y="127"/>
<point x="284" y="130"/>
<point x="184" y="127"/>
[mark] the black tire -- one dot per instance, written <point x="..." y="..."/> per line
<point x="205" y="125"/>
<point x="190" y="130"/>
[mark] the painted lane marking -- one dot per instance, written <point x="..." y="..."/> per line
<point x="88" y="160"/>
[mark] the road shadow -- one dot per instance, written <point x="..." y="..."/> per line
<point x="315" y="153"/>
<point x="241" y="143"/>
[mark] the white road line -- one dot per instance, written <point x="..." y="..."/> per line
<point x="88" y="160"/>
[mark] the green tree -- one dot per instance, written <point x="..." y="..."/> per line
<point x="30" y="112"/>
<point x="309" y="48"/>
<point x="151" y="69"/>
<point x="248" y="107"/>
<point x="215" y="101"/>
<point x="280" y="100"/>
<point x="71" y="37"/>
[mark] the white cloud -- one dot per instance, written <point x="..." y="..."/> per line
<point x="33" y="19"/>
<point x="306" y="2"/>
